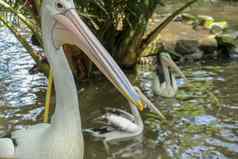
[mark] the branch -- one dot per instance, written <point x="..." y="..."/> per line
<point x="161" y="26"/>
<point x="22" y="18"/>
<point x="43" y="67"/>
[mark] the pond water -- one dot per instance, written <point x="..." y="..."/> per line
<point x="202" y="121"/>
<point x="20" y="92"/>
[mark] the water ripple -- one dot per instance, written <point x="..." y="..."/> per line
<point x="15" y="63"/>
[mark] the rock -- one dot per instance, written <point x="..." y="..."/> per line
<point x="186" y="47"/>
<point x="228" y="39"/>
<point x="218" y="27"/>
<point x="189" y="49"/>
<point x="208" y="44"/>
<point x="196" y="44"/>
<point x="227" y="43"/>
<point x="185" y="17"/>
<point x="210" y="24"/>
<point x="192" y="57"/>
<point x="197" y="55"/>
<point x="205" y="20"/>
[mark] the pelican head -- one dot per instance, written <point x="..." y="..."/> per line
<point x="166" y="61"/>
<point x="66" y="27"/>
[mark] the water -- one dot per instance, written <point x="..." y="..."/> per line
<point x="203" y="116"/>
<point x="202" y="119"/>
<point x="20" y="92"/>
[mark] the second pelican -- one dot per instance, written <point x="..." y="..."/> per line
<point x="164" y="83"/>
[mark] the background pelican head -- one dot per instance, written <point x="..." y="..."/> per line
<point x="61" y="24"/>
<point x="167" y="61"/>
<point x="164" y="83"/>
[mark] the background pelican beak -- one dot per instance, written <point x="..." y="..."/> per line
<point x="170" y="63"/>
<point x="69" y="28"/>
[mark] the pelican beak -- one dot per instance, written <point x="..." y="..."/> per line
<point x="69" y="28"/>
<point x="166" y="59"/>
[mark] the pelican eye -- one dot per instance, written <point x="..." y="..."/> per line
<point x="59" y="5"/>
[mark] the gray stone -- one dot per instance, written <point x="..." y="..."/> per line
<point x="208" y="45"/>
<point x="186" y="47"/>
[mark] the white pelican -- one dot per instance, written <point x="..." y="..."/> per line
<point x="62" y="138"/>
<point x="164" y="83"/>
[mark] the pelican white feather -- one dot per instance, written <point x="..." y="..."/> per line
<point x="62" y="138"/>
<point x="7" y="148"/>
<point x="164" y="82"/>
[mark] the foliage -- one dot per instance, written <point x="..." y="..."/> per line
<point x="29" y="24"/>
<point x="121" y="25"/>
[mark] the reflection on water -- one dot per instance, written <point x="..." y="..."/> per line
<point x="202" y="119"/>
<point x="203" y="116"/>
<point x="19" y="99"/>
<point x="18" y="87"/>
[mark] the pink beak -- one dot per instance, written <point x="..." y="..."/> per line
<point x="69" y="28"/>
